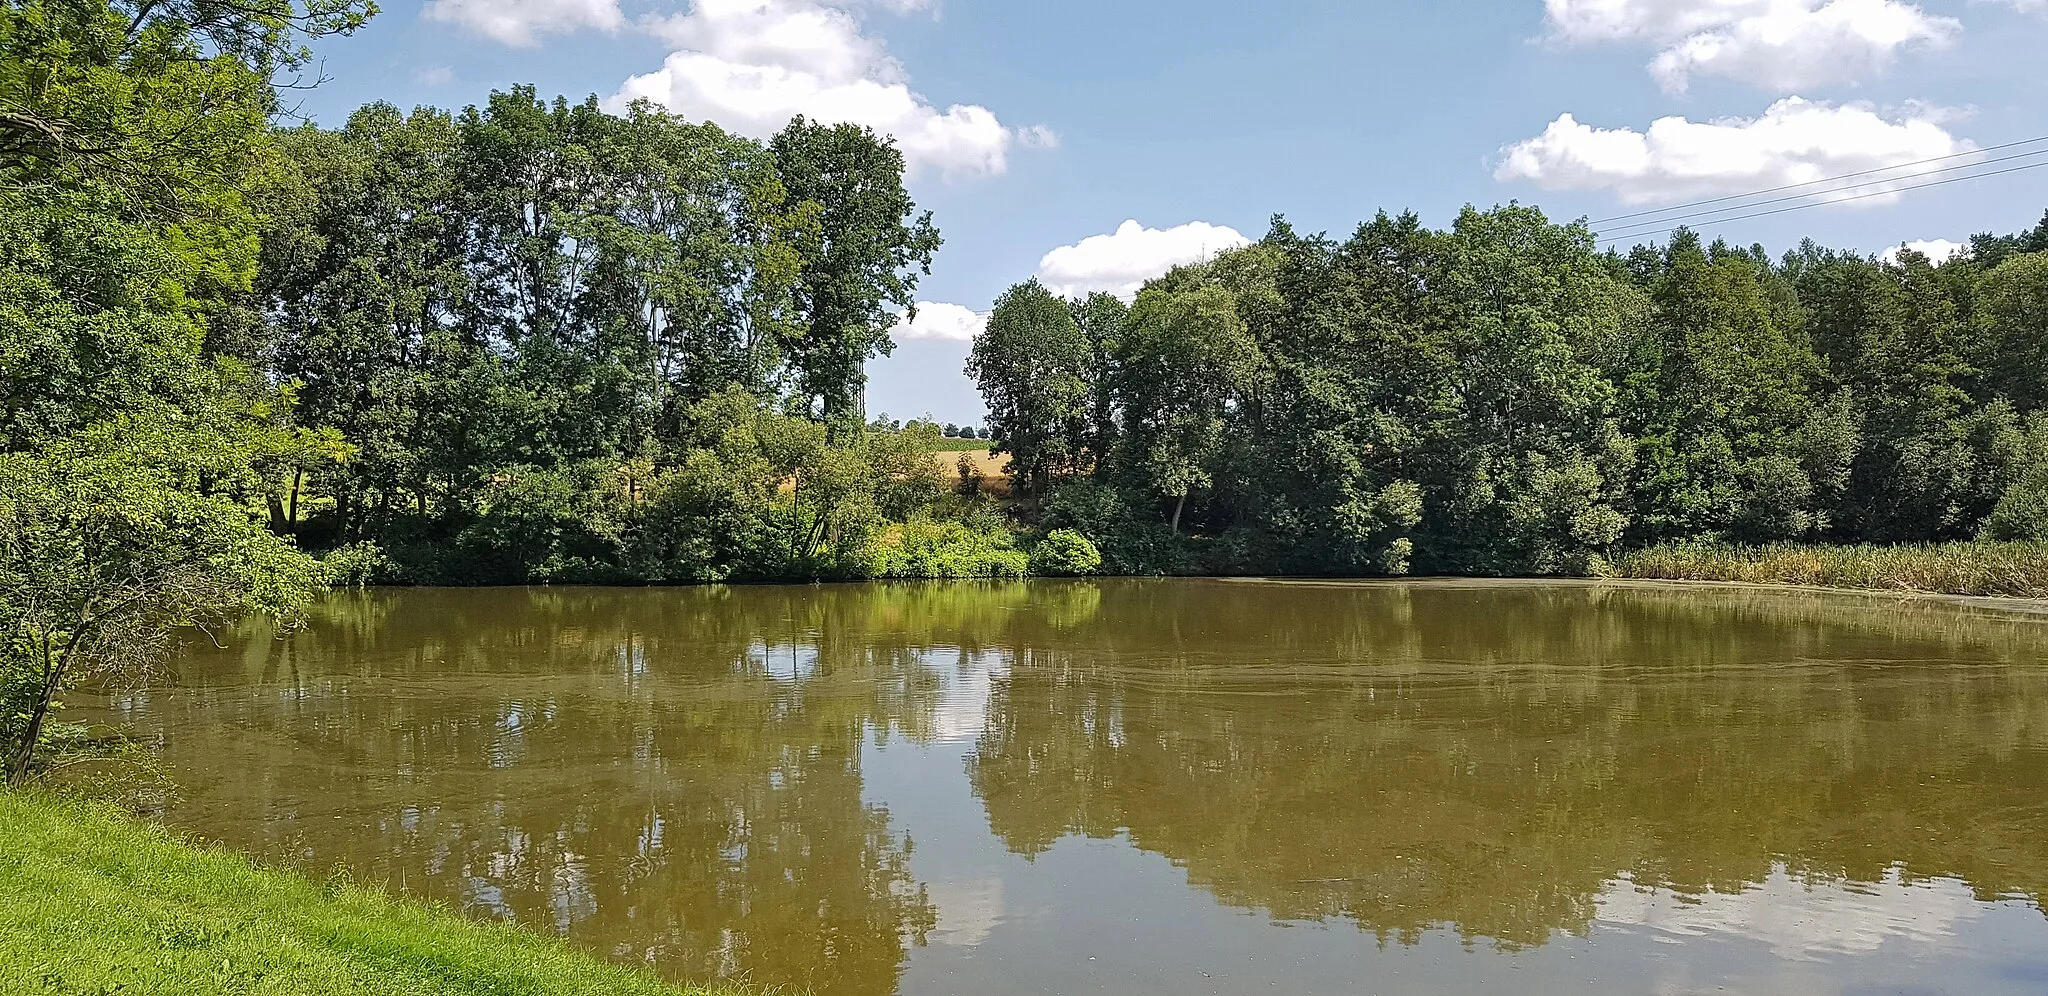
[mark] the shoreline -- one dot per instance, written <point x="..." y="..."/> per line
<point x="2010" y="604"/>
<point x="94" y="899"/>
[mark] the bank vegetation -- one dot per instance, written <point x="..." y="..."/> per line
<point x="93" y="901"/>
<point x="2016" y="570"/>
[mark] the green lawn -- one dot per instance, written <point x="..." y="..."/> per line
<point x="964" y="445"/>
<point x="94" y="902"/>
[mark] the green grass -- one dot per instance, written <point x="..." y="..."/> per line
<point x="95" y="902"/>
<point x="1983" y="568"/>
<point x="964" y="445"/>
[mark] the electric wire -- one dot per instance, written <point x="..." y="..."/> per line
<point x="1810" y="183"/>
<point x="1626" y="230"/>
<point x="1842" y="200"/>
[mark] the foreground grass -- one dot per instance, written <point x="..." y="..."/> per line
<point x="2010" y="569"/>
<point x="94" y="902"/>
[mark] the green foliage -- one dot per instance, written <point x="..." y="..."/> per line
<point x="1033" y="365"/>
<point x="535" y="341"/>
<point x="2022" y="511"/>
<point x="2021" y="514"/>
<point x="978" y="547"/>
<point x="1065" y="553"/>
<point x="868" y="253"/>
<point x="2011" y="341"/>
<point x="1500" y="398"/>
<point x="135" y="460"/>
<point x="567" y="346"/>
<point x="1716" y="391"/>
<point x="1133" y="540"/>
<point x="106" y="549"/>
<point x="544" y="526"/>
<point x="354" y="566"/>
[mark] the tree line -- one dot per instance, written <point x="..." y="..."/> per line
<point x="563" y="344"/>
<point x="1502" y="398"/>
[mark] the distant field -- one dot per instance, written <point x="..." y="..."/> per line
<point x="992" y="470"/>
<point x="964" y="445"/>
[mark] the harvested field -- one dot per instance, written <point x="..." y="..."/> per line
<point x="988" y="470"/>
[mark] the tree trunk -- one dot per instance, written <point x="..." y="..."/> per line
<point x="292" y="510"/>
<point x="53" y="676"/>
<point x="1178" y="506"/>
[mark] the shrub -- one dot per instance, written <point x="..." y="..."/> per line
<point x="2021" y="515"/>
<point x="977" y="547"/>
<point x="542" y="526"/>
<point x="1065" y="553"/>
<point x="354" y="566"/>
<point x="1133" y="542"/>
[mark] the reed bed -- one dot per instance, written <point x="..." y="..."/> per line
<point x="2018" y="570"/>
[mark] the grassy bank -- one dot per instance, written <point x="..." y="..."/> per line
<point x="2011" y="569"/>
<point x="94" y="902"/>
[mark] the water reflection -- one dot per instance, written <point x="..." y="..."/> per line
<point x="797" y="787"/>
<point x="1488" y="759"/>
<point x="671" y="777"/>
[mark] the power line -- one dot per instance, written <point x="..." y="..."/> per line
<point x="1858" y="197"/>
<point x="1810" y="183"/>
<point x="1626" y="229"/>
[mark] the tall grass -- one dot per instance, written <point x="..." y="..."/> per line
<point x="1979" y="568"/>
<point x="95" y="902"/>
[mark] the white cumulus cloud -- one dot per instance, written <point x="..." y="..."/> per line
<point x="1121" y="262"/>
<point x="1937" y="251"/>
<point x="1776" y="44"/>
<point x="520" y="23"/>
<point x="751" y="65"/>
<point x="1794" y="141"/>
<point x="942" y="321"/>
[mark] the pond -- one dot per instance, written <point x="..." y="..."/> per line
<point x="1162" y="786"/>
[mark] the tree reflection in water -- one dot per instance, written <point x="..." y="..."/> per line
<point x="676" y="777"/>
<point x="1490" y="758"/>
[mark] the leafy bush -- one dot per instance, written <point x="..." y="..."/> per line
<point x="2022" y="511"/>
<point x="354" y="566"/>
<point x="1132" y="543"/>
<point x="2021" y="515"/>
<point x="544" y="527"/>
<point x="1065" y="553"/>
<point x="978" y="547"/>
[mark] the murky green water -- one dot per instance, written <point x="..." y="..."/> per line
<point x="1165" y="787"/>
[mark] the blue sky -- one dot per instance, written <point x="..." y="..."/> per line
<point x="1037" y="126"/>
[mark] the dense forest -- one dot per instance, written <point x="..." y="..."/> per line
<point x="1503" y="398"/>
<point x="549" y="343"/>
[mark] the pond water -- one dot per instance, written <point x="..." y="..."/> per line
<point x="1163" y="787"/>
